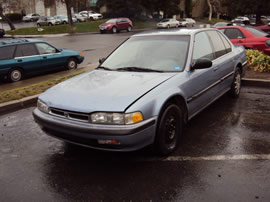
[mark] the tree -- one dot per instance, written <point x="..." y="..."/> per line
<point x="8" y="5"/>
<point x="248" y="7"/>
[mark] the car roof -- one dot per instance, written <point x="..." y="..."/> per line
<point x="191" y="31"/>
<point x="8" y="42"/>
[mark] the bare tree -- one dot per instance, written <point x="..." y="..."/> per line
<point x="6" y="6"/>
<point x="210" y="9"/>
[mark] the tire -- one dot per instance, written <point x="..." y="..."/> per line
<point x="65" y="22"/>
<point x="114" y="30"/>
<point x="168" y="26"/>
<point x="91" y="19"/>
<point x="129" y="28"/>
<point x="169" y="130"/>
<point x="72" y="63"/>
<point x="236" y="85"/>
<point x="15" y="75"/>
<point x="50" y="24"/>
<point x="38" y="25"/>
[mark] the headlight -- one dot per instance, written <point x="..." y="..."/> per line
<point x="267" y="42"/>
<point x="42" y="106"/>
<point x="116" y="118"/>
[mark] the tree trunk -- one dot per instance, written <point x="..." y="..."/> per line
<point x="11" y="25"/>
<point x="70" y="22"/>
<point x="210" y="10"/>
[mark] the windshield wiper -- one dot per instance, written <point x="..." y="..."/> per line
<point x="137" y="69"/>
<point x="105" y="68"/>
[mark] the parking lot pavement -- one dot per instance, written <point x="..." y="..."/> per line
<point x="224" y="155"/>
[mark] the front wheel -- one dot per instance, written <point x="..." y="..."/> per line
<point x="50" y="24"/>
<point x="169" y="130"/>
<point x="72" y="63"/>
<point x="129" y="28"/>
<point x="114" y="30"/>
<point x="236" y="85"/>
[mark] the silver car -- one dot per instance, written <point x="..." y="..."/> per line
<point x="168" y="23"/>
<point x="31" y="17"/>
<point x="144" y="92"/>
<point x="48" y="21"/>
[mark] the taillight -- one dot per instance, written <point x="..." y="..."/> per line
<point x="267" y="42"/>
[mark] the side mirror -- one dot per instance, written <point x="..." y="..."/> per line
<point x="201" y="63"/>
<point x="101" y="60"/>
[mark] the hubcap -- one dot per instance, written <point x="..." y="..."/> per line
<point x="114" y="30"/>
<point x="16" y="75"/>
<point x="237" y="83"/>
<point x="72" y="64"/>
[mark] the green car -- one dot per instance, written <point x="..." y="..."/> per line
<point x="20" y="57"/>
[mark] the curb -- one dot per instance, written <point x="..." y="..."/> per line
<point x="256" y="82"/>
<point x="28" y="101"/>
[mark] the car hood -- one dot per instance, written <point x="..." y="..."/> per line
<point x="102" y="90"/>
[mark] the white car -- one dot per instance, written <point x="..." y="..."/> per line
<point x="80" y="18"/>
<point x="187" y="22"/>
<point x="168" y="23"/>
<point x="91" y="15"/>
<point x="240" y="18"/>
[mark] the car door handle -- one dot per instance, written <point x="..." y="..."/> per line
<point x="20" y="60"/>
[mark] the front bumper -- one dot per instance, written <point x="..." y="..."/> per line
<point x="131" y="137"/>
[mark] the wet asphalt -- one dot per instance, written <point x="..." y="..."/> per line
<point x="224" y="155"/>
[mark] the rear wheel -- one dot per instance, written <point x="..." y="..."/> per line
<point x="169" y="130"/>
<point x="236" y="85"/>
<point x="168" y="26"/>
<point x="15" y="74"/>
<point x="72" y="63"/>
<point x="50" y="24"/>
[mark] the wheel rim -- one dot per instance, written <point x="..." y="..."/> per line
<point x="171" y="130"/>
<point x="129" y="29"/>
<point x="72" y="64"/>
<point x="237" y="83"/>
<point x="114" y="30"/>
<point x="168" y="26"/>
<point x="16" y="75"/>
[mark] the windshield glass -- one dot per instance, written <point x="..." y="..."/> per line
<point x="111" y="21"/>
<point x="256" y="32"/>
<point x="161" y="53"/>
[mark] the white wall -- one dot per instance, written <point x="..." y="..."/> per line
<point x="61" y="8"/>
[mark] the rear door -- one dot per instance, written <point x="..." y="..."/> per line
<point x="27" y="57"/>
<point x="122" y="24"/>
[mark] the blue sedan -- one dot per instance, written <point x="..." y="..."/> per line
<point x="144" y="92"/>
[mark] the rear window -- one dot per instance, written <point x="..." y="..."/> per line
<point x="256" y="32"/>
<point x="7" y="52"/>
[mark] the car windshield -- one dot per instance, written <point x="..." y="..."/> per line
<point x="152" y="53"/>
<point x="256" y="32"/>
<point x="50" y="18"/>
<point x="111" y="21"/>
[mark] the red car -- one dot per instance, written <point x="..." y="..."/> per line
<point x="2" y="33"/>
<point x="249" y="37"/>
<point x="116" y="25"/>
<point x="265" y="28"/>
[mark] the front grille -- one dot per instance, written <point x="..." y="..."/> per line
<point x="70" y="115"/>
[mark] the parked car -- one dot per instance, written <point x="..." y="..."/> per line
<point x="187" y="22"/>
<point x="20" y="57"/>
<point x="116" y="25"/>
<point x="249" y="37"/>
<point x="48" y="21"/>
<point x="168" y="23"/>
<point x="80" y="18"/>
<point x="31" y="17"/>
<point x="64" y="19"/>
<point x="265" y="28"/>
<point x="144" y="92"/>
<point x="222" y="24"/>
<point x="242" y="19"/>
<point x="91" y="15"/>
<point x="2" y="33"/>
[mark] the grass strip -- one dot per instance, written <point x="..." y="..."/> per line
<point x="92" y="26"/>
<point x="19" y="93"/>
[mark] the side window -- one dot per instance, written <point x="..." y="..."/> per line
<point x="234" y="33"/>
<point x="202" y="47"/>
<point x="26" y="50"/>
<point x="44" y="48"/>
<point x="7" y="52"/>
<point x="217" y="43"/>
<point x="226" y="43"/>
